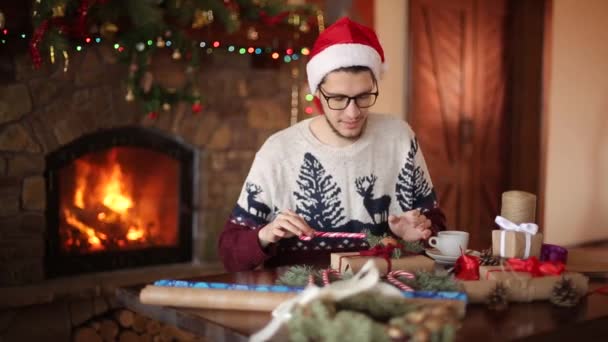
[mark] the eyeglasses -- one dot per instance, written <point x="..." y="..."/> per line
<point x="340" y="102"/>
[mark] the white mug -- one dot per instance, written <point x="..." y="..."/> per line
<point x="450" y="242"/>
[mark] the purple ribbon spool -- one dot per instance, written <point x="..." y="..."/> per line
<point x="553" y="253"/>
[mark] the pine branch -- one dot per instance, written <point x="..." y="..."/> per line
<point x="297" y="275"/>
<point x="433" y="281"/>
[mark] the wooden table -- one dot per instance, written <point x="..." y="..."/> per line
<point x="538" y="321"/>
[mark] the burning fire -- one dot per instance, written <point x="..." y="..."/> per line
<point x="102" y="207"/>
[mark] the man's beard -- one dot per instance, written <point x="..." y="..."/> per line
<point x="352" y="138"/>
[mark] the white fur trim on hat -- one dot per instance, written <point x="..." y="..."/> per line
<point x="340" y="56"/>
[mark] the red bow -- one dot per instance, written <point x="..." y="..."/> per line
<point x="381" y="251"/>
<point x="535" y="267"/>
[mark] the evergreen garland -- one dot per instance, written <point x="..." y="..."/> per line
<point x="370" y="316"/>
<point x="138" y="28"/>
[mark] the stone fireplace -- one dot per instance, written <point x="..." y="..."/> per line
<point x="118" y="198"/>
<point x="56" y="126"/>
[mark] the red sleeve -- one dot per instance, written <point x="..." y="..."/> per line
<point x="240" y="249"/>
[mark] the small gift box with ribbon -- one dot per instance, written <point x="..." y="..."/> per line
<point x="354" y="261"/>
<point x="516" y="240"/>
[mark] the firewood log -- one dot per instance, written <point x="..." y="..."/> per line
<point x="86" y="334"/>
<point x="128" y="336"/>
<point x="153" y="327"/>
<point x="125" y="318"/>
<point x="139" y="323"/>
<point x="108" y="330"/>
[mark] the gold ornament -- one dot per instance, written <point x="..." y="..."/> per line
<point x="166" y="107"/>
<point x="66" y="61"/>
<point x="304" y="27"/>
<point x="108" y="30"/>
<point x="160" y="42"/>
<point x="294" y="19"/>
<point x="176" y="54"/>
<point x="201" y="18"/>
<point x="320" y="21"/>
<point x="59" y="11"/>
<point x="252" y="33"/>
<point x="52" y="53"/>
<point x="2" y="20"/>
<point x="130" y="96"/>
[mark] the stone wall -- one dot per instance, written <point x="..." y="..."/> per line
<point x="43" y="109"/>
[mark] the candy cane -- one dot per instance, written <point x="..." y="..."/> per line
<point x="325" y="275"/>
<point x="392" y="278"/>
<point x="311" y="279"/>
<point x="335" y="235"/>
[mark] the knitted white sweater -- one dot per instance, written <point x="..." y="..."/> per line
<point x="346" y="189"/>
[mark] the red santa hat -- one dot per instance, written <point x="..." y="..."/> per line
<point x="344" y="44"/>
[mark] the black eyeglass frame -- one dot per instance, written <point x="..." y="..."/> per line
<point x="349" y="98"/>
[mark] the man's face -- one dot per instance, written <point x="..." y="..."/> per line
<point x="349" y="122"/>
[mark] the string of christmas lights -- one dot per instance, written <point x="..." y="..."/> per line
<point x="65" y="27"/>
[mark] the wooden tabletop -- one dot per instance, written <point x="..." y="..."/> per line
<point x="538" y="321"/>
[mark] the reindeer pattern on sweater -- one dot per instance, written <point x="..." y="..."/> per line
<point x="348" y="189"/>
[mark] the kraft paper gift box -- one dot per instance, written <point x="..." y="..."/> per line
<point x="521" y="286"/>
<point x="500" y="273"/>
<point x="353" y="262"/>
<point x="514" y="244"/>
<point x="516" y="240"/>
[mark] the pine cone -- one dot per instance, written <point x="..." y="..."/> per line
<point x="497" y="299"/>
<point x="565" y="293"/>
<point x="488" y="259"/>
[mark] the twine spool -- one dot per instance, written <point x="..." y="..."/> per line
<point x="518" y="207"/>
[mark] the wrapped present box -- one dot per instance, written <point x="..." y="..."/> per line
<point x="500" y="273"/>
<point x="353" y="262"/>
<point x="513" y="244"/>
<point x="521" y="286"/>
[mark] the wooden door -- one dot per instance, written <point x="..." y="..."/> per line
<point x="456" y="106"/>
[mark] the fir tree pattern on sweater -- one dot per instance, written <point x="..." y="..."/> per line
<point x="317" y="201"/>
<point x="412" y="188"/>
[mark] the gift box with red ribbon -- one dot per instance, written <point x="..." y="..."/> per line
<point x="354" y="261"/>
<point x="526" y="280"/>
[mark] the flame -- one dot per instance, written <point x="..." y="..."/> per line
<point x="135" y="233"/>
<point x="114" y="197"/>
<point x="94" y="237"/>
<point x="79" y="197"/>
<point x="104" y="201"/>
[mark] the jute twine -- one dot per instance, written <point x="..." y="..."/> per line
<point x="518" y="206"/>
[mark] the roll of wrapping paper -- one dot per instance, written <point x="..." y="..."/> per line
<point x="518" y="206"/>
<point x="263" y="298"/>
<point x="213" y="298"/>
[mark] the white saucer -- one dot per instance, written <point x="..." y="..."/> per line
<point x="440" y="258"/>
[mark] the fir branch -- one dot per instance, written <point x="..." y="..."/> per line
<point x="413" y="247"/>
<point x="297" y="275"/>
<point x="433" y="281"/>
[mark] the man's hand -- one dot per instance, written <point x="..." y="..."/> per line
<point x="410" y="226"/>
<point x="285" y="225"/>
